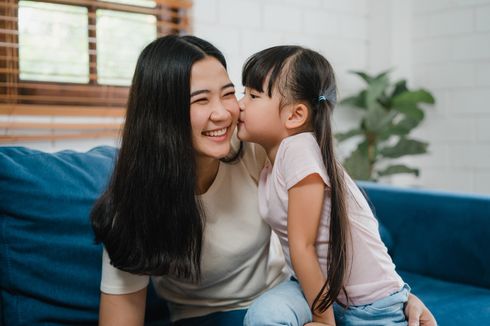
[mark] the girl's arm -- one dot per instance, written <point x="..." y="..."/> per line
<point x="304" y="213"/>
<point x="122" y="309"/>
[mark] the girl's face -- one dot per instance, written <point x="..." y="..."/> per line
<point x="261" y="118"/>
<point x="213" y="110"/>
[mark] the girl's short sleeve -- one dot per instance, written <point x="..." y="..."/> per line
<point x="116" y="281"/>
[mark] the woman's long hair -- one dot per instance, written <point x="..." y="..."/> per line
<point x="304" y="76"/>
<point x="149" y="219"/>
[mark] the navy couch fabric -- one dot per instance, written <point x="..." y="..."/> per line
<point x="440" y="244"/>
<point x="49" y="263"/>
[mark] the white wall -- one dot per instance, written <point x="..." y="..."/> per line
<point x="450" y="54"/>
<point x="442" y="45"/>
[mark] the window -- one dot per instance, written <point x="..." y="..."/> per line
<point x="76" y="57"/>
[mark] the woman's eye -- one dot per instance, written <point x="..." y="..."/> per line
<point x="201" y="101"/>
<point x="229" y="94"/>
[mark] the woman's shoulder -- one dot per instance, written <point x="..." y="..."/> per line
<point x="254" y="159"/>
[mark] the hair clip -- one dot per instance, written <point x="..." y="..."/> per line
<point x="322" y="98"/>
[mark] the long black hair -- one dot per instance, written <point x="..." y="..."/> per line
<point x="149" y="219"/>
<point x="302" y="75"/>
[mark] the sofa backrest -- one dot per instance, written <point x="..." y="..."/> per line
<point x="50" y="265"/>
<point x="435" y="233"/>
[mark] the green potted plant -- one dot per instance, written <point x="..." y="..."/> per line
<point x="390" y="111"/>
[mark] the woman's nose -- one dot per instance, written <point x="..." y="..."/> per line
<point x="220" y="112"/>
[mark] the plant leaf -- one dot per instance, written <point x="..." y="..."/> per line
<point x="341" y="136"/>
<point x="378" y="119"/>
<point x="404" y="147"/>
<point x="400" y="87"/>
<point x="367" y="78"/>
<point x="403" y="127"/>
<point x="412" y="112"/>
<point x="413" y="97"/>
<point x="375" y="91"/>
<point x="357" y="164"/>
<point x="356" y="101"/>
<point x="383" y="74"/>
<point x="398" y="168"/>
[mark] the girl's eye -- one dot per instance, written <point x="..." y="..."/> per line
<point x="253" y="95"/>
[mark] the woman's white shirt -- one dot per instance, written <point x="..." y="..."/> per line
<point x="238" y="260"/>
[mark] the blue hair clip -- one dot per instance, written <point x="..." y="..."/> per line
<point x="330" y="96"/>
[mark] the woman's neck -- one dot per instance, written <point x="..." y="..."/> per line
<point x="206" y="171"/>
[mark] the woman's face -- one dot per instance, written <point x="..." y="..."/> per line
<point x="214" y="108"/>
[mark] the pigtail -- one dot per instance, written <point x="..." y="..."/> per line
<point x="339" y="224"/>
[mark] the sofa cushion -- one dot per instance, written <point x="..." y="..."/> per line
<point x="436" y="233"/>
<point x="451" y="303"/>
<point x="50" y="265"/>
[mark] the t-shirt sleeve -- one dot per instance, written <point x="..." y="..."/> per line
<point x="116" y="281"/>
<point x="300" y="158"/>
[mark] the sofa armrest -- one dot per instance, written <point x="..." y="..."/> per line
<point x="434" y="233"/>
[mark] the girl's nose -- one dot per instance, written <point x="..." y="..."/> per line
<point x="241" y="105"/>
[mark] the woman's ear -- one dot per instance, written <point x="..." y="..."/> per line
<point x="297" y="116"/>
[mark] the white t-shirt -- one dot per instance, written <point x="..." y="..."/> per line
<point x="372" y="273"/>
<point x="238" y="261"/>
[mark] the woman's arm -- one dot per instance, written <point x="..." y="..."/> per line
<point x="122" y="309"/>
<point x="417" y="313"/>
<point x="304" y="214"/>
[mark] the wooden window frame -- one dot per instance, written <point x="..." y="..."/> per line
<point x="42" y="98"/>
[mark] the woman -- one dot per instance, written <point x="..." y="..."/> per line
<point x="182" y="205"/>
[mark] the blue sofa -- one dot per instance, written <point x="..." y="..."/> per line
<point x="50" y="265"/>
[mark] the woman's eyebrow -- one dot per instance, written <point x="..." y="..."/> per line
<point x="228" y="85"/>
<point x="201" y="91"/>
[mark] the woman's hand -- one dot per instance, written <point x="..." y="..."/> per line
<point x="417" y="313"/>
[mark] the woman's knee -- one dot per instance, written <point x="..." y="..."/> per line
<point x="282" y="305"/>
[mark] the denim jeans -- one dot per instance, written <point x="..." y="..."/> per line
<point x="385" y="311"/>
<point x="285" y="304"/>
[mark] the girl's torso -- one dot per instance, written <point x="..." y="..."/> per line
<point x="371" y="273"/>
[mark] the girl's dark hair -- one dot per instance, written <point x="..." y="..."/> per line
<point x="149" y="219"/>
<point x="304" y="76"/>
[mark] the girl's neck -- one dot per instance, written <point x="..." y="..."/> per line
<point x="206" y="171"/>
<point x="272" y="152"/>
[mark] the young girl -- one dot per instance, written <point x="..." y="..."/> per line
<point x="328" y="233"/>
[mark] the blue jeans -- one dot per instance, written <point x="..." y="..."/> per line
<point x="385" y="311"/>
<point x="285" y="304"/>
